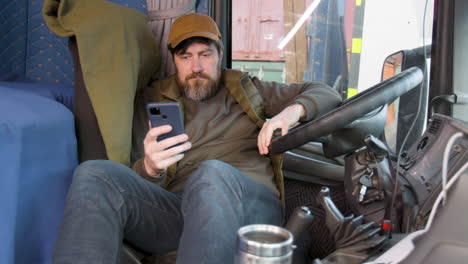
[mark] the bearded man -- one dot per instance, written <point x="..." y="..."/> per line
<point x="191" y="192"/>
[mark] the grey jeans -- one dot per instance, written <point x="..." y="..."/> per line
<point x="108" y="202"/>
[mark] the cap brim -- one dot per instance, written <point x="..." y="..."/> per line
<point x="183" y="37"/>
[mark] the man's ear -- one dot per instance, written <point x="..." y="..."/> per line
<point x="221" y="55"/>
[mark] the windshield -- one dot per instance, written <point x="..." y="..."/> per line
<point x="344" y="43"/>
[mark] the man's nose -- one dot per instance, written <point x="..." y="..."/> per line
<point x="196" y="65"/>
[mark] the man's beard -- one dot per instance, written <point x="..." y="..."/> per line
<point x="199" y="90"/>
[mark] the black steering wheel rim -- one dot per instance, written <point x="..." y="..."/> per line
<point x="349" y="110"/>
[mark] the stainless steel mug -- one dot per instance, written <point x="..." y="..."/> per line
<point x="264" y="244"/>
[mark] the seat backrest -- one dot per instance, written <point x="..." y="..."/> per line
<point x="27" y="46"/>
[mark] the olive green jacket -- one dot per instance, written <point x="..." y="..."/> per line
<point x="117" y="55"/>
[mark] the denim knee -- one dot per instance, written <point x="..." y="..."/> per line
<point x="98" y="176"/>
<point x="105" y="170"/>
<point x="94" y="181"/>
<point x="213" y="172"/>
<point x="88" y="169"/>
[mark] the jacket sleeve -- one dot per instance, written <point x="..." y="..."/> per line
<point x="159" y="179"/>
<point x="317" y="98"/>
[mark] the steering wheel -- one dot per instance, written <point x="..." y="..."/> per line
<point x="349" y="110"/>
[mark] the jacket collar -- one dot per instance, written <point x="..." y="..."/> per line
<point x="169" y="90"/>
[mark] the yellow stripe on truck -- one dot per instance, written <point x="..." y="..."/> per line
<point x="352" y="92"/>
<point x="356" y="45"/>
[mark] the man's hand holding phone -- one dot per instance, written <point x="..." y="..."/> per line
<point x="159" y="155"/>
<point x="165" y="142"/>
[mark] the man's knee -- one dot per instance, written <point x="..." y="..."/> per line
<point x="94" y="172"/>
<point x="214" y="178"/>
<point x="214" y="172"/>
<point x="95" y="181"/>
<point x="90" y="168"/>
<point x="214" y="165"/>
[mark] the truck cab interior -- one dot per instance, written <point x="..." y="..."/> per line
<point x="380" y="179"/>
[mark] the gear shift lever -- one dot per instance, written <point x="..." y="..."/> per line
<point x="299" y="221"/>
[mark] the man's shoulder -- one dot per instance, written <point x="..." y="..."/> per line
<point x="231" y="75"/>
<point x="233" y="72"/>
<point x="163" y="88"/>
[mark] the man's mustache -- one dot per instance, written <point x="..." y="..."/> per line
<point x="195" y="75"/>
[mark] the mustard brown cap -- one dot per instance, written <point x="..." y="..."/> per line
<point x="193" y="25"/>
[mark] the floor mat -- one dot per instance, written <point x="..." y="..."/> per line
<point x="318" y="242"/>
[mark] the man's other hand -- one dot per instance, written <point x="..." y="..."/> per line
<point x="283" y="121"/>
<point x="158" y="154"/>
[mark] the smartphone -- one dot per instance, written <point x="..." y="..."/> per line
<point x="166" y="113"/>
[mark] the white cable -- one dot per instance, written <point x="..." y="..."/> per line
<point x="445" y="185"/>
<point x="298" y="24"/>
<point x="403" y="248"/>
<point x="445" y="164"/>
<point x="449" y="184"/>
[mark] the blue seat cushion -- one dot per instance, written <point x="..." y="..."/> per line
<point x="38" y="154"/>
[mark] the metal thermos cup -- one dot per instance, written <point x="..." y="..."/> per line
<point x="264" y="244"/>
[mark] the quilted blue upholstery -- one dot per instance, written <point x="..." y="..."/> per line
<point x="27" y="46"/>
<point x="47" y="57"/>
<point x="37" y="157"/>
<point x="139" y="5"/>
<point x="13" y="35"/>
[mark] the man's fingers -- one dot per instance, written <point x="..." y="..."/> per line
<point x="174" y="150"/>
<point x="172" y="141"/>
<point x="160" y="154"/>
<point x="267" y="131"/>
<point x="163" y="164"/>
<point x="171" y="160"/>
<point x="266" y="137"/>
<point x="263" y="136"/>
<point x="160" y="161"/>
<point x="155" y="132"/>
<point x="152" y="138"/>
<point x="165" y="148"/>
<point x="260" y="140"/>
